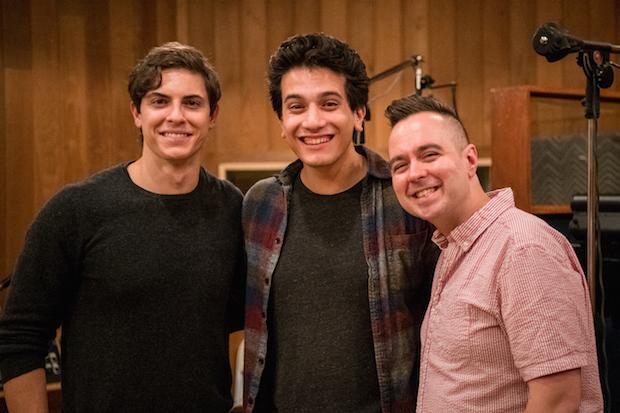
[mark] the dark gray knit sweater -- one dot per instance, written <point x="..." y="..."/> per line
<point x="146" y="288"/>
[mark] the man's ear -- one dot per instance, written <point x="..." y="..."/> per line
<point x="137" y="118"/>
<point x="282" y="132"/>
<point x="359" y="114"/>
<point x="471" y="156"/>
<point x="213" y="116"/>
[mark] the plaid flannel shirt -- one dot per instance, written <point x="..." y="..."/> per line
<point x="401" y="260"/>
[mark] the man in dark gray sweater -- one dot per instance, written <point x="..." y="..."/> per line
<point x="141" y="264"/>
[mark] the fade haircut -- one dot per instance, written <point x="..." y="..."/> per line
<point x="402" y="108"/>
<point x="318" y="50"/>
<point x="146" y="74"/>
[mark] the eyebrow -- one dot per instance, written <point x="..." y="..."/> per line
<point x="163" y="95"/>
<point x="428" y="146"/>
<point x="418" y="150"/>
<point x="322" y="95"/>
<point x="156" y="94"/>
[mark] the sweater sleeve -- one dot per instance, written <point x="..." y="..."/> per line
<point x="236" y="299"/>
<point x="38" y="291"/>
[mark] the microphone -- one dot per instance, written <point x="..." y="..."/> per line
<point x="554" y="42"/>
<point x="418" y="80"/>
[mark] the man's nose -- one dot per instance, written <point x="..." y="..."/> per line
<point x="314" y="118"/>
<point x="176" y="113"/>
<point x="417" y="170"/>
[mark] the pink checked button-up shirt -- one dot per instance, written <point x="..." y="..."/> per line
<point x="509" y="304"/>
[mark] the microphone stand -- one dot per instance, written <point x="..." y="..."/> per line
<point x="422" y="81"/>
<point x="413" y="62"/>
<point x="554" y="42"/>
<point x="599" y="73"/>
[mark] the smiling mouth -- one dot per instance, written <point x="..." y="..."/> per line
<point x="176" y="134"/>
<point x="425" y="192"/>
<point x="316" y="140"/>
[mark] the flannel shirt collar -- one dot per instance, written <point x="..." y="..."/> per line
<point x="377" y="167"/>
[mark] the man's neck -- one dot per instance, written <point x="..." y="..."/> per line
<point x="164" y="178"/>
<point x="337" y="178"/>
<point x="474" y="202"/>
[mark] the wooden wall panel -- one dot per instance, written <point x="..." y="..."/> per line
<point x="415" y="24"/>
<point x="495" y="64"/>
<point x="334" y="19"/>
<point x="253" y="114"/>
<point x="75" y="100"/>
<point x="548" y="74"/>
<point x="228" y="51"/>
<point x="360" y="15"/>
<point x="18" y="83"/>
<point x="442" y="59"/>
<point x="522" y="27"/>
<point x="48" y="172"/>
<point x="603" y="20"/>
<point x="165" y="12"/>
<point x="64" y="109"/>
<point x="127" y="38"/>
<point x="387" y="30"/>
<point x="469" y="65"/>
<point x="99" y="90"/>
<point x="277" y="11"/>
<point x="307" y="16"/>
<point x="4" y="175"/>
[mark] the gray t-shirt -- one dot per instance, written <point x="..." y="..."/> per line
<point x="320" y="353"/>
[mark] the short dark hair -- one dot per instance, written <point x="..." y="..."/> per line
<point x="322" y="51"/>
<point x="402" y="108"/>
<point x="146" y="74"/>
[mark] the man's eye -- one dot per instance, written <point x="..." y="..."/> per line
<point x="398" y="168"/>
<point x="159" y="101"/>
<point x="194" y="103"/>
<point x="295" y="107"/>
<point x="430" y="155"/>
<point x="331" y="104"/>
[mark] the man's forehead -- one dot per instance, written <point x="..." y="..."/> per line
<point x="173" y="84"/>
<point x="322" y="94"/>
<point x="424" y="119"/>
<point x="429" y="128"/>
<point x="319" y="78"/>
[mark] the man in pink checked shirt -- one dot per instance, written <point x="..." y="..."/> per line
<point x="509" y="326"/>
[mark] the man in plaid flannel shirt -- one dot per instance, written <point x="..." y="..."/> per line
<point x="338" y="273"/>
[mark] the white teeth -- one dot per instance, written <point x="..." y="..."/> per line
<point x="424" y="193"/>
<point x="175" y="134"/>
<point x="316" y="141"/>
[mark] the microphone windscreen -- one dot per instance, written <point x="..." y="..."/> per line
<point x="553" y="42"/>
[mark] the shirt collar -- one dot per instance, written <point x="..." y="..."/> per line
<point x="377" y="167"/>
<point x="466" y="233"/>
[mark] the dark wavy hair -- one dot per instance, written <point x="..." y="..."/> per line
<point x="322" y="51"/>
<point x="146" y="74"/>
